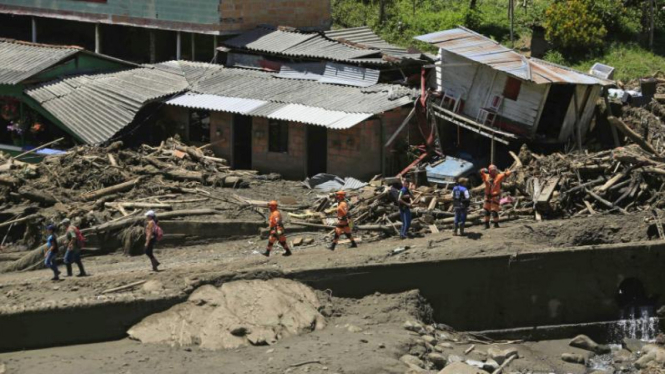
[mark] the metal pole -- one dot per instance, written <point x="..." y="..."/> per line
<point x="153" y="47"/>
<point x="98" y="38"/>
<point x="193" y="47"/>
<point x="492" y="151"/>
<point x="214" y="47"/>
<point x="34" y="29"/>
<point x="178" y="50"/>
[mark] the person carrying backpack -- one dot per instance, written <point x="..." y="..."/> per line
<point x="74" y="242"/>
<point x="461" y="202"/>
<point x="153" y="233"/>
<point x="51" y="252"/>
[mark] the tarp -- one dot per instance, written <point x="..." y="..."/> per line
<point x="329" y="182"/>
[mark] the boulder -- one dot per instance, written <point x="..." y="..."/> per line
<point x="298" y="241"/>
<point x="501" y="356"/>
<point x="574" y="358"/>
<point x="461" y="368"/>
<point x="308" y="241"/>
<point x="437" y="359"/>
<point x="454" y="358"/>
<point x="490" y="365"/>
<point x="443" y="346"/>
<point x="653" y="355"/>
<point x="586" y="343"/>
<point x="218" y="318"/>
<point x="413" y="326"/>
<point x="152" y="286"/>
<point x="429" y="339"/>
<point x="418" y="350"/>
<point x="633" y="345"/>
<point x="412" y="360"/>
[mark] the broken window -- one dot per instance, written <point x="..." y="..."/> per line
<point x="512" y="89"/>
<point x="278" y="136"/>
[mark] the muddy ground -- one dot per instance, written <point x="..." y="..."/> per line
<point x="363" y="336"/>
<point x="186" y="267"/>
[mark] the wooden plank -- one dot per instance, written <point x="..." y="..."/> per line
<point x="546" y="192"/>
<point x="433" y="229"/>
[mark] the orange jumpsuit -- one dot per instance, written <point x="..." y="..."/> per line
<point x="342" y="221"/>
<point x="276" y="230"/>
<point x="493" y="193"/>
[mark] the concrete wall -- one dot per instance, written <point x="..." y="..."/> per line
<point x="291" y="164"/>
<point x="220" y="134"/>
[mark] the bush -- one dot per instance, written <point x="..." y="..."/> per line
<point x="573" y="27"/>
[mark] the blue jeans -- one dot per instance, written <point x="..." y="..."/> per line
<point x="49" y="261"/>
<point x="460" y="216"/>
<point x="405" y="216"/>
<point x="72" y="256"/>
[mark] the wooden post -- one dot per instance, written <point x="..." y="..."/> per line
<point x="98" y="38"/>
<point x="578" y="131"/>
<point x="615" y="134"/>
<point x="153" y="47"/>
<point x="193" y="47"/>
<point x="511" y="13"/>
<point x="178" y="46"/>
<point x="492" y="151"/>
<point x="652" y="23"/>
<point x="33" y="21"/>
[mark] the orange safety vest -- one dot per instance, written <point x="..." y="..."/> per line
<point x="275" y="219"/>
<point x="493" y="185"/>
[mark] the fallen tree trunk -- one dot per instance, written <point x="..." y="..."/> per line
<point x="132" y="205"/>
<point x="362" y="227"/>
<point x="36" y="255"/>
<point x="20" y="220"/>
<point x="635" y="137"/>
<point x="122" y="187"/>
<point x="43" y="198"/>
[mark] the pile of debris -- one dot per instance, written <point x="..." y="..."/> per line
<point x="101" y="185"/>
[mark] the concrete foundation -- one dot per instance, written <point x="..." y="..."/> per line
<point x="563" y="286"/>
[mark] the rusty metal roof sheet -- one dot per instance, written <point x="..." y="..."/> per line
<point x="330" y="72"/>
<point x="479" y="48"/>
<point x="305" y="45"/>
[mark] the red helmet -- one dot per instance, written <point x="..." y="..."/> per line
<point x="341" y="194"/>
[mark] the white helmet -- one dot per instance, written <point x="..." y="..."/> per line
<point x="150" y="213"/>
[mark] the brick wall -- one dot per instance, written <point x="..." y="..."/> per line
<point x="290" y="165"/>
<point x="220" y="134"/>
<point x="355" y="152"/>
<point x="247" y="14"/>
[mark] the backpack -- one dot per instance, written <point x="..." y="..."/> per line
<point x="159" y="233"/>
<point x="80" y="239"/>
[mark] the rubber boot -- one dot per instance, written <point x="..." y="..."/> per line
<point x="461" y="229"/>
<point x="354" y="244"/>
<point x="287" y="252"/>
<point x="455" y="230"/>
<point x="496" y="225"/>
<point x="154" y="263"/>
<point x="69" y="269"/>
<point x="266" y="253"/>
<point x="332" y="246"/>
<point x="82" y="272"/>
<point x="487" y="225"/>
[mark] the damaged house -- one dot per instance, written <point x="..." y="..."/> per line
<point x="497" y="92"/>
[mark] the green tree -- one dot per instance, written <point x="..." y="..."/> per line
<point x="573" y="26"/>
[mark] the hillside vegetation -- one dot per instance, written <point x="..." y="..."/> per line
<point x="580" y="32"/>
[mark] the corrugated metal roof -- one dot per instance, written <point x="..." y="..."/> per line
<point x="259" y="108"/>
<point x="330" y="72"/>
<point x="307" y="45"/>
<point x="21" y="60"/>
<point x="97" y="107"/>
<point x="366" y="37"/>
<point x="264" y="86"/>
<point x="469" y="44"/>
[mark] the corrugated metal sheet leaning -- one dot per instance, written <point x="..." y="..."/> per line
<point x="97" y="107"/>
<point x="364" y="36"/>
<point x="306" y="45"/>
<point x="479" y="48"/>
<point x="330" y="72"/>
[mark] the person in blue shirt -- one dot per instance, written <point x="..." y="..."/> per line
<point x="51" y="252"/>
<point x="461" y="202"/>
<point x="404" y="202"/>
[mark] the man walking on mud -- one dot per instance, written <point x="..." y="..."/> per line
<point x="73" y="245"/>
<point x="152" y="235"/>
<point x="461" y="202"/>
<point x="343" y="221"/>
<point x="51" y="252"/>
<point x="276" y="227"/>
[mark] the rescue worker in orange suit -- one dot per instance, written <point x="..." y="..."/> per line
<point x="493" y="180"/>
<point x="343" y="218"/>
<point x="276" y="230"/>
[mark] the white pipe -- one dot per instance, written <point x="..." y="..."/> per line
<point x="98" y="38"/>
<point x="178" y="52"/>
<point x="34" y="29"/>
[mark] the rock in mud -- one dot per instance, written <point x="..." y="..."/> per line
<point x="152" y="286"/>
<point x="586" y="343"/>
<point x="3" y="368"/>
<point x="574" y="358"/>
<point x="454" y="358"/>
<point x="237" y="313"/>
<point x="412" y="360"/>
<point x="490" y="365"/>
<point x="443" y="346"/>
<point x="413" y="326"/>
<point x="461" y="368"/>
<point x="652" y="356"/>
<point x="437" y="359"/>
<point x="429" y="339"/>
<point x="633" y="345"/>
<point x="501" y="356"/>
